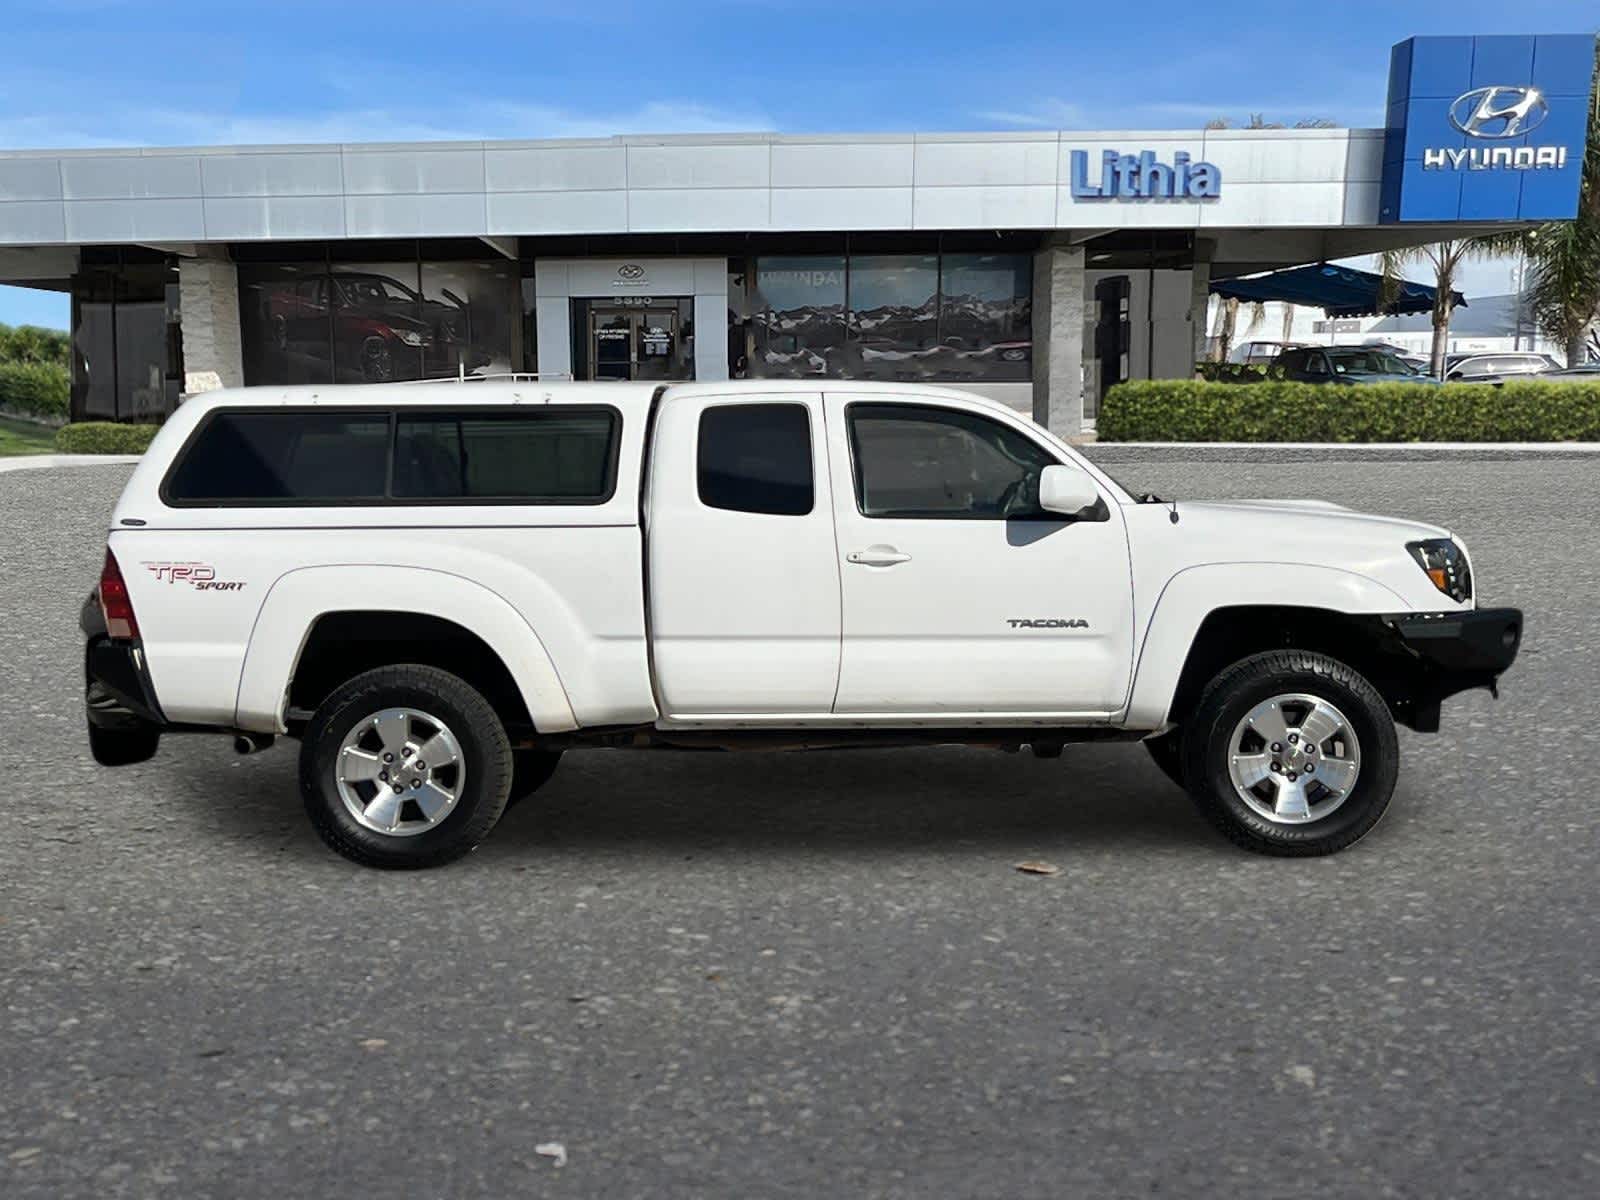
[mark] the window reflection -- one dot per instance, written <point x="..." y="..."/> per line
<point x="894" y="316"/>
<point x="377" y="322"/>
<point x="954" y="317"/>
<point x="799" y="317"/>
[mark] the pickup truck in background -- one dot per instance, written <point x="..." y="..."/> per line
<point x="439" y="588"/>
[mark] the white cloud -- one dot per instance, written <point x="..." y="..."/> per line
<point x="116" y="125"/>
<point x="1047" y="112"/>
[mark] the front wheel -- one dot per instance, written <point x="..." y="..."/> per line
<point x="405" y="766"/>
<point x="1291" y="753"/>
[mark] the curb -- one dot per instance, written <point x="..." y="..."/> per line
<point x="1111" y="452"/>
<point x="24" y="462"/>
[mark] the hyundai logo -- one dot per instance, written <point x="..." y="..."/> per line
<point x="1499" y="112"/>
<point x="630" y="271"/>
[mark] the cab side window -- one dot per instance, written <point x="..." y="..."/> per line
<point x="940" y="463"/>
<point x="756" y="458"/>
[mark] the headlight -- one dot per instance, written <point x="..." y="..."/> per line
<point x="1445" y="565"/>
<point x="410" y="337"/>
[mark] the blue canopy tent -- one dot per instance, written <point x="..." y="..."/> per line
<point x="1338" y="291"/>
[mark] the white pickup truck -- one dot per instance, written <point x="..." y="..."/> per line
<point x="438" y="588"/>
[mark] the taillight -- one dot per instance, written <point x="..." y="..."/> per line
<point x="115" y="602"/>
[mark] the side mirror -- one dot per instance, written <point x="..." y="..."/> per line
<point x="1066" y="490"/>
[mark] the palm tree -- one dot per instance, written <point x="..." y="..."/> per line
<point x="1227" y="321"/>
<point x="1445" y="258"/>
<point x="1564" y="256"/>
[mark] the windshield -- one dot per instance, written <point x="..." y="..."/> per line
<point x="374" y="290"/>
<point x="1368" y="362"/>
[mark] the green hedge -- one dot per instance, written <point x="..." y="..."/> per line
<point x="34" y="390"/>
<point x="104" y="437"/>
<point x="1275" y="410"/>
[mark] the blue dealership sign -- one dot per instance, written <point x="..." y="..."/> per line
<point x="1144" y="177"/>
<point x="1486" y="128"/>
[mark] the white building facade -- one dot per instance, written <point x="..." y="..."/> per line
<point x="1038" y="268"/>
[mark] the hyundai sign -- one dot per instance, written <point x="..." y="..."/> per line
<point x="1486" y="128"/>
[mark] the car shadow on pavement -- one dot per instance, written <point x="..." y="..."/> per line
<point x="850" y="799"/>
<point x="854" y="799"/>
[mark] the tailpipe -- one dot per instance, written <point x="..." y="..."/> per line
<point x="250" y="743"/>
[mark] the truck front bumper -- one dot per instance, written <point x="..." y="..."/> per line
<point x="1455" y="651"/>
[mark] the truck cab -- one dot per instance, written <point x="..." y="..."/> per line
<point x="438" y="589"/>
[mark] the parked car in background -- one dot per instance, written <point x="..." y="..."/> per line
<point x="1259" y="353"/>
<point x="1344" y="364"/>
<point x="382" y="329"/>
<point x="1491" y="367"/>
<point x="1586" y="373"/>
<point x="1417" y="362"/>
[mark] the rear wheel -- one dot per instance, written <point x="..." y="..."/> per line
<point x="1291" y="753"/>
<point x="405" y="766"/>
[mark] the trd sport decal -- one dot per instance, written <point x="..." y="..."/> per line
<point x="200" y="576"/>
<point x="1047" y="623"/>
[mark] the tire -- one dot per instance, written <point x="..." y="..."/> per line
<point x="122" y="747"/>
<point x="1275" y="690"/>
<point x="1166" y="752"/>
<point x="441" y="811"/>
<point x="530" y="771"/>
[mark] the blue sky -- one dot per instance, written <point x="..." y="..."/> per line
<point x="109" y="72"/>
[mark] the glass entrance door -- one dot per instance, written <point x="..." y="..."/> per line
<point x="636" y="342"/>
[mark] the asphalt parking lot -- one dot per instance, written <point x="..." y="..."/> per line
<point x="817" y="975"/>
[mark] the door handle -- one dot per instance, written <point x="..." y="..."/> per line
<point x="877" y="556"/>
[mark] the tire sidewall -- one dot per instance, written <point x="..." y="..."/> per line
<point x="1273" y="675"/>
<point x="485" y="754"/>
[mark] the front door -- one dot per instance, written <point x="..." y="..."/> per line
<point x="636" y="343"/>
<point x="960" y="595"/>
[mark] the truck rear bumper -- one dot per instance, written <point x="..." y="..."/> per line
<point x="118" y="694"/>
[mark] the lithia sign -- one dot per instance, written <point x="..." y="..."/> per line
<point x="1143" y="177"/>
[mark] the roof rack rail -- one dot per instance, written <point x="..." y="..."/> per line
<point x="502" y="376"/>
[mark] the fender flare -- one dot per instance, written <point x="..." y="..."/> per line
<point x="298" y="598"/>
<point x="1195" y="593"/>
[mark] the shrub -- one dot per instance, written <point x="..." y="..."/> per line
<point x="34" y="390"/>
<point x="32" y="344"/>
<point x="1275" y="410"/>
<point x="104" y="437"/>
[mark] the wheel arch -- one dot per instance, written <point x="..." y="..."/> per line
<point x="321" y="622"/>
<point x="1208" y="617"/>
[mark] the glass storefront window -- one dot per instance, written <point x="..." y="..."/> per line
<point x="467" y="309"/>
<point x="377" y="322"/>
<point x="380" y="330"/>
<point x="894" y="316"/>
<point x="127" y="355"/>
<point x="953" y="317"/>
<point x="798" y="317"/>
<point x="284" y="324"/>
<point x="985" y="316"/>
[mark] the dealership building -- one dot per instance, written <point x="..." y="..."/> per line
<point x="1037" y="268"/>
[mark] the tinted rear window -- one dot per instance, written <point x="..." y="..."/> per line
<point x="555" y="455"/>
<point x="558" y="457"/>
<point x="278" y="456"/>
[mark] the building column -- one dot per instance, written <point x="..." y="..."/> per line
<point x="1058" y="306"/>
<point x="208" y="298"/>
<point x="1200" y="295"/>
